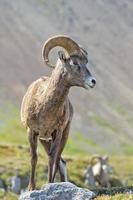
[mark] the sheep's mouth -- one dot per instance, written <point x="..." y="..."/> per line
<point x="86" y="86"/>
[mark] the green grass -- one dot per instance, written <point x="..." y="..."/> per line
<point x="84" y="139"/>
<point x="116" y="197"/>
<point x="11" y="130"/>
<point x="128" y="149"/>
<point x="8" y="196"/>
<point x="118" y="108"/>
<point x="19" y="158"/>
<point x="100" y="121"/>
<point x="130" y="121"/>
<point x="85" y="144"/>
<point x="72" y="148"/>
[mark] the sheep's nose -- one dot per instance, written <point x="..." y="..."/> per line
<point x="93" y="81"/>
<point x="90" y="82"/>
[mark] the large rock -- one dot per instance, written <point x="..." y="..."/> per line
<point x="58" y="191"/>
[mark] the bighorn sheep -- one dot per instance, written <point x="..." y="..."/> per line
<point x="46" y="110"/>
<point x="98" y="172"/>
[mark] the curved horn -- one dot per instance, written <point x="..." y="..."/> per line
<point x="60" y="40"/>
<point x="106" y="158"/>
<point x="95" y="157"/>
<point x="83" y="50"/>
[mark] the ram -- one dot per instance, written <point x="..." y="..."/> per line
<point x="46" y="111"/>
<point x="101" y="170"/>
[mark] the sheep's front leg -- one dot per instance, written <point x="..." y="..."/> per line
<point x="54" y="157"/>
<point x="33" y="149"/>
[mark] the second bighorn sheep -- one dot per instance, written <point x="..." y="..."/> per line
<point x="98" y="172"/>
<point x="46" y="110"/>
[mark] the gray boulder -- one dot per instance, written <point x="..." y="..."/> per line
<point x="58" y="191"/>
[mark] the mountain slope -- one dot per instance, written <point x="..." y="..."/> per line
<point x="104" y="28"/>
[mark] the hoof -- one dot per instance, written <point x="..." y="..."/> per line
<point x="31" y="187"/>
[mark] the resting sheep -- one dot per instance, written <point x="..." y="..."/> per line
<point x="98" y="172"/>
<point x="46" y="111"/>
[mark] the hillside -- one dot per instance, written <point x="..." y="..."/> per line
<point x="103" y="116"/>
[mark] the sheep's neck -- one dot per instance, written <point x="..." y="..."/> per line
<point x="56" y="91"/>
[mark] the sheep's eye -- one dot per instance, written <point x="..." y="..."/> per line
<point x="78" y="68"/>
<point x="72" y="62"/>
<point x="75" y="63"/>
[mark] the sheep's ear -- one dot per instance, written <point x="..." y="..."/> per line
<point x="106" y="158"/>
<point x="62" y="55"/>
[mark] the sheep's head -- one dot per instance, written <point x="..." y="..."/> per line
<point x="74" y="60"/>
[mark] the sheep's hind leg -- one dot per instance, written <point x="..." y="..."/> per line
<point x="63" y="170"/>
<point x="47" y="146"/>
<point x="33" y="151"/>
<point x="54" y="157"/>
<point x="62" y="163"/>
